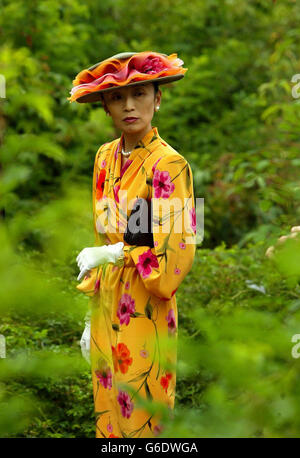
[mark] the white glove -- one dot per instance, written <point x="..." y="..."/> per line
<point x="85" y="341"/>
<point x="94" y="256"/>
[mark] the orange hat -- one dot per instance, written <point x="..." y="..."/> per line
<point x="125" y="69"/>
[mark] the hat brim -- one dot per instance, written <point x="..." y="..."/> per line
<point x="96" y="96"/>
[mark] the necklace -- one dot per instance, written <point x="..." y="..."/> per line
<point x="125" y="154"/>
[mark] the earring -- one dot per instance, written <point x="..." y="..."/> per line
<point x="157" y="108"/>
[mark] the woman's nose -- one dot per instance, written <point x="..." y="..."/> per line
<point x="128" y="102"/>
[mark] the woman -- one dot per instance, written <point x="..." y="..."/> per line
<point x="133" y="306"/>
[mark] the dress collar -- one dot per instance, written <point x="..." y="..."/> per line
<point x="140" y="152"/>
<point x="150" y="136"/>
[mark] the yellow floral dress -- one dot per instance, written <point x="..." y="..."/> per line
<point x="134" y="319"/>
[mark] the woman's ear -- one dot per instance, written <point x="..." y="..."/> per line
<point x="158" y="97"/>
<point x="105" y="109"/>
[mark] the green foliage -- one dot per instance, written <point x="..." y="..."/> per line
<point x="235" y="118"/>
<point x="236" y="368"/>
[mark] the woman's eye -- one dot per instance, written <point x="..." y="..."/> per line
<point x="139" y="93"/>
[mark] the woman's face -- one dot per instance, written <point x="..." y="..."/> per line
<point x="132" y="101"/>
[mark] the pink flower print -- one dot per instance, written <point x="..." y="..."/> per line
<point x="177" y="271"/>
<point x="144" y="353"/>
<point x="117" y="150"/>
<point x="116" y="191"/>
<point x="125" y="167"/>
<point x="157" y="429"/>
<point x="125" y="308"/>
<point x="155" y="164"/>
<point x="105" y="377"/>
<point x="110" y="428"/>
<point x="182" y="245"/>
<point x="97" y="284"/>
<point x="127" y="285"/>
<point x="125" y="403"/>
<point x="115" y="268"/>
<point x="171" y="321"/>
<point x="193" y="219"/>
<point x="103" y="164"/>
<point x="163" y="187"/>
<point x="155" y="243"/>
<point x="147" y="260"/>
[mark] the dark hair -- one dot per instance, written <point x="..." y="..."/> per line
<point x="156" y="87"/>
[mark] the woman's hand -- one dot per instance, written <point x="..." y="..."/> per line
<point x="92" y="257"/>
<point x="294" y="233"/>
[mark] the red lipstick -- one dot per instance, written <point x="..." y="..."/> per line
<point x="130" y="119"/>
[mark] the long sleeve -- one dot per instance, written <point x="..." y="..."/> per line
<point x="90" y="283"/>
<point x="164" y="267"/>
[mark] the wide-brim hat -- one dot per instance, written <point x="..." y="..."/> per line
<point x="125" y="69"/>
